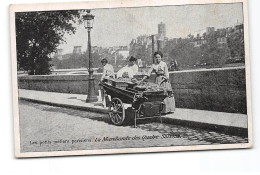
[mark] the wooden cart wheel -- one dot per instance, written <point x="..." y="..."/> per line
<point x="116" y="111"/>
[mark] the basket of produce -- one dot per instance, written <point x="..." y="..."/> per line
<point x="129" y="83"/>
<point x="140" y="88"/>
<point x="119" y="84"/>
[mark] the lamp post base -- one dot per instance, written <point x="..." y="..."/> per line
<point x="91" y="99"/>
<point x="91" y="91"/>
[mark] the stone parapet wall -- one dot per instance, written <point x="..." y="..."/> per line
<point x="74" y="84"/>
<point x="214" y="90"/>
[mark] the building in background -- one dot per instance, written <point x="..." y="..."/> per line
<point x="161" y="36"/>
<point x="77" y="50"/>
<point x="143" y="46"/>
<point x="210" y="30"/>
<point x="201" y="37"/>
<point x="161" y="31"/>
<point x="146" y="40"/>
<point x="124" y="54"/>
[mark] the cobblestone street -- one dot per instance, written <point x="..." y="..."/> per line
<point x="47" y="128"/>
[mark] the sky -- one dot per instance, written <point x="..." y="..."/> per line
<point x="118" y="26"/>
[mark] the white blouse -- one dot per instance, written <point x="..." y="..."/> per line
<point x="108" y="71"/>
<point x="162" y="66"/>
<point x="127" y="70"/>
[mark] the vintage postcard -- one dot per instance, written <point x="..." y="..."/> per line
<point x="109" y="77"/>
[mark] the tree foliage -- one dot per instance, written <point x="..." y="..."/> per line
<point x="141" y="52"/>
<point x="213" y="54"/>
<point x="236" y="44"/>
<point x="38" y="35"/>
<point x="184" y="53"/>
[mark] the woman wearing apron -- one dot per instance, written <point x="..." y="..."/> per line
<point x="162" y="78"/>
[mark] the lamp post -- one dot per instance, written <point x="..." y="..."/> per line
<point x="88" y="23"/>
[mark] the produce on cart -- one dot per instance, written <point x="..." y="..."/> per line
<point x="144" y="98"/>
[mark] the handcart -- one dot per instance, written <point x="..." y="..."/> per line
<point x="144" y="104"/>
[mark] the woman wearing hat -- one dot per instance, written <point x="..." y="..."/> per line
<point x="162" y="78"/>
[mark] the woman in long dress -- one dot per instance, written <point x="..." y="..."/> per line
<point x="162" y="78"/>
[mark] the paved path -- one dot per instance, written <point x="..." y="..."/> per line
<point x="49" y="128"/>
<point x="78" y="101"/>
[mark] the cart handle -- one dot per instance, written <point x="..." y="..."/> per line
<point x="164" y="80"/>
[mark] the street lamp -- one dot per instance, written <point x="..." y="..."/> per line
<point x="88" y="23"/>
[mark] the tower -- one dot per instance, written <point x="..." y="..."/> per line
<point x="161" y="36"/>
<point x="77" y="50"/>
<point x="210" y="30"/>
<point x="161" y="31"/>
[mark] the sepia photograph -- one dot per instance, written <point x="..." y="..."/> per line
<point x="130" y="76"/>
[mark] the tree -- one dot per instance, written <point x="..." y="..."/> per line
<point x="236" y="45"/>
<point x="142" y="52"/>
<point x="38" y="35"/>
<point x="213" y="53"/>
<point x="185" y="53"/>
